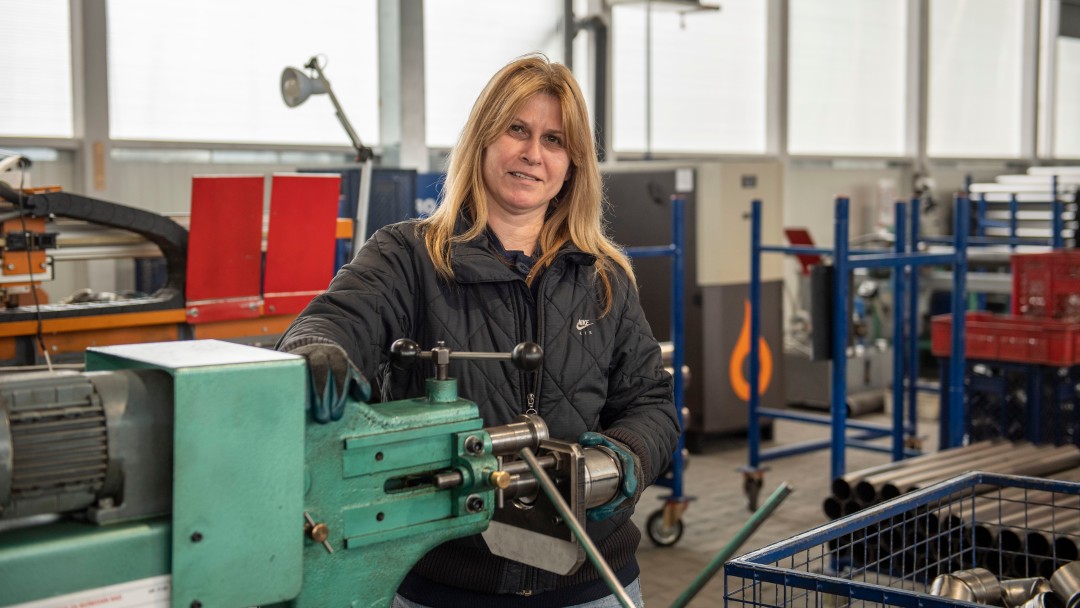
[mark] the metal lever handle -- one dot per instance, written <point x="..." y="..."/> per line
<point x="404" y="353"/>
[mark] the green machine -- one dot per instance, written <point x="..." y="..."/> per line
<point x="187" y="474"/>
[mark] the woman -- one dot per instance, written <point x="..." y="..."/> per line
<point x="515" y="252"/>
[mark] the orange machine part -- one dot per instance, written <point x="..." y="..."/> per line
<point x="19" y="262"/>
<point x="244" y="328"/>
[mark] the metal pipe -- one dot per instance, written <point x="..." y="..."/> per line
<point x="527" y="431"/>
<point x="833" y="507"/>
<point x="1007" y="500"/>
<point x="843" y="487"/>
<point x="582" y="536"/>
<point x="867" y="487"/>
<point x="755" y="521"/>
<point x="1065" y="546"/>
<point x="938" y="471"/>
<point x="1024" y="460"/>
<point x="519" y="467"/>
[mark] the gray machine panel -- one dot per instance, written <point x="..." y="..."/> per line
<point x="640" y="215"/>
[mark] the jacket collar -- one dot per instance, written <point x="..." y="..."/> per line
<point x="476" y="261"/>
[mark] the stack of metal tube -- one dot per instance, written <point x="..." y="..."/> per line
<point x="861" y="489"/>
<point x="1019" y="532"/>
<point x="1010" y="532"/>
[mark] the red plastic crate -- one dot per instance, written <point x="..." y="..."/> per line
<point x="1046" y="285"/>
<point x="1010" y="338"/>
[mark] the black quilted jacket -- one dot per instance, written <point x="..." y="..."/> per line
<point x="599" y="374"/>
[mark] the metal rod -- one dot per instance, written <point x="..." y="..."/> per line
<point x="899" y="367"/>
<point x="751" y="525"/>
<point x="767" y="412"/>
<point x="575" y="526"/>
<point x="913" y="326"/>
<point x="753" y="403"/>
<point x="517" y="467"/>
<point x="1057" y="240"/>
<point x="841" y="269"/>
<point x="678" y="331"/>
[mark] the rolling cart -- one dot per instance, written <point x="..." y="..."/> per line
<point x="903" y="263"/>
<point x="664" y="526"/>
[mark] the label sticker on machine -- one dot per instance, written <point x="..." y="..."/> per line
<point x="684" y="180"/>
<point x="153" y="592"/>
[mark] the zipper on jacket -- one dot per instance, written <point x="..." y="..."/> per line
<point x="530" y="380"/>
<point x="533" y="381"/>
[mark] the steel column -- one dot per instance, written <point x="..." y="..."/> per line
<point x="898" y="280"/>
<point x="754" y="427"/>
<point x="839" y="336"/>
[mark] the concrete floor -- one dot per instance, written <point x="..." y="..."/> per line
<point x="719" y="506"/>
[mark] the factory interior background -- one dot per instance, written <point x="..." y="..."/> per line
<point x="855" y="231"/>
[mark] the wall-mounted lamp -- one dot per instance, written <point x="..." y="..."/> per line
<point x="296" y="87"/>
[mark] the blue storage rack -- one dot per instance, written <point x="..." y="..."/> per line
<point x="953" y="417"/>
<point x="665" y="525"/>
<point x="903" y="261"/>
<point x="889" y="554"/>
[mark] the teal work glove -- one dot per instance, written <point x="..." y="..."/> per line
<point x="629" y="479"/>
<point x="332" y="377"/>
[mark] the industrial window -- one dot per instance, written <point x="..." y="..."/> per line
<point x="36" y="69"/>
<point x="976" y="78"/>
<point x="847" y="80"/>
<point x="708" y="77"/>
<point x="1067" y="98"/>
<point x="484" y="35"/>
<point x="209" y="71"/>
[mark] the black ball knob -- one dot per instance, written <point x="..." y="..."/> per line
<point x="404" y="353"/>
<point x="527" y="356"/>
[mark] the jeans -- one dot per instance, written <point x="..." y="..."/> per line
<point x="633" y="590"/>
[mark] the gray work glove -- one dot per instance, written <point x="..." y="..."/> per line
<point x="332" y="377"/>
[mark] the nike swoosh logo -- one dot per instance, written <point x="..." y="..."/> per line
<point x="583" y="324"/>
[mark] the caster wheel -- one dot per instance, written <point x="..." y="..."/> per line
<point x="660" y="535"/>
<point x="752" y="487"/>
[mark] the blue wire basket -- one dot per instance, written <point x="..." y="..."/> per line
<point x="889" y="554"/>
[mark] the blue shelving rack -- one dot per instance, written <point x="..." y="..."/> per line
<point x="954" y="417"/>
<point x="665" y="525"/>
<point x="903" y="261"/>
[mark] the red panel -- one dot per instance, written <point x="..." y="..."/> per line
<point x="1010" y="338"/>
<point x="225" y="245"/>
<point x="302" y="239"/>
<point x="801" y="237"/>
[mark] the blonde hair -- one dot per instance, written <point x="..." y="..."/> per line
<point x="577" y="216"/>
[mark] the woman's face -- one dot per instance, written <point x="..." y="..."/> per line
<point x="525" y="167"/>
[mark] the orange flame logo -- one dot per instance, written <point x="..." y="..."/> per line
<point x="739" y="381"/>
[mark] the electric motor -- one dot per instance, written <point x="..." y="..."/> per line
<point x="97" y="443"/>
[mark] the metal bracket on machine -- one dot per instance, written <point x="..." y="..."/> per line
<point x="530" y="530"/>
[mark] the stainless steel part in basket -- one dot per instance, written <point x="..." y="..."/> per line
<point x="1046" y="599"/>
<point x="976" y="585"/>
<point x="1066" y="583"/>
<point x="1017" y="591"/>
